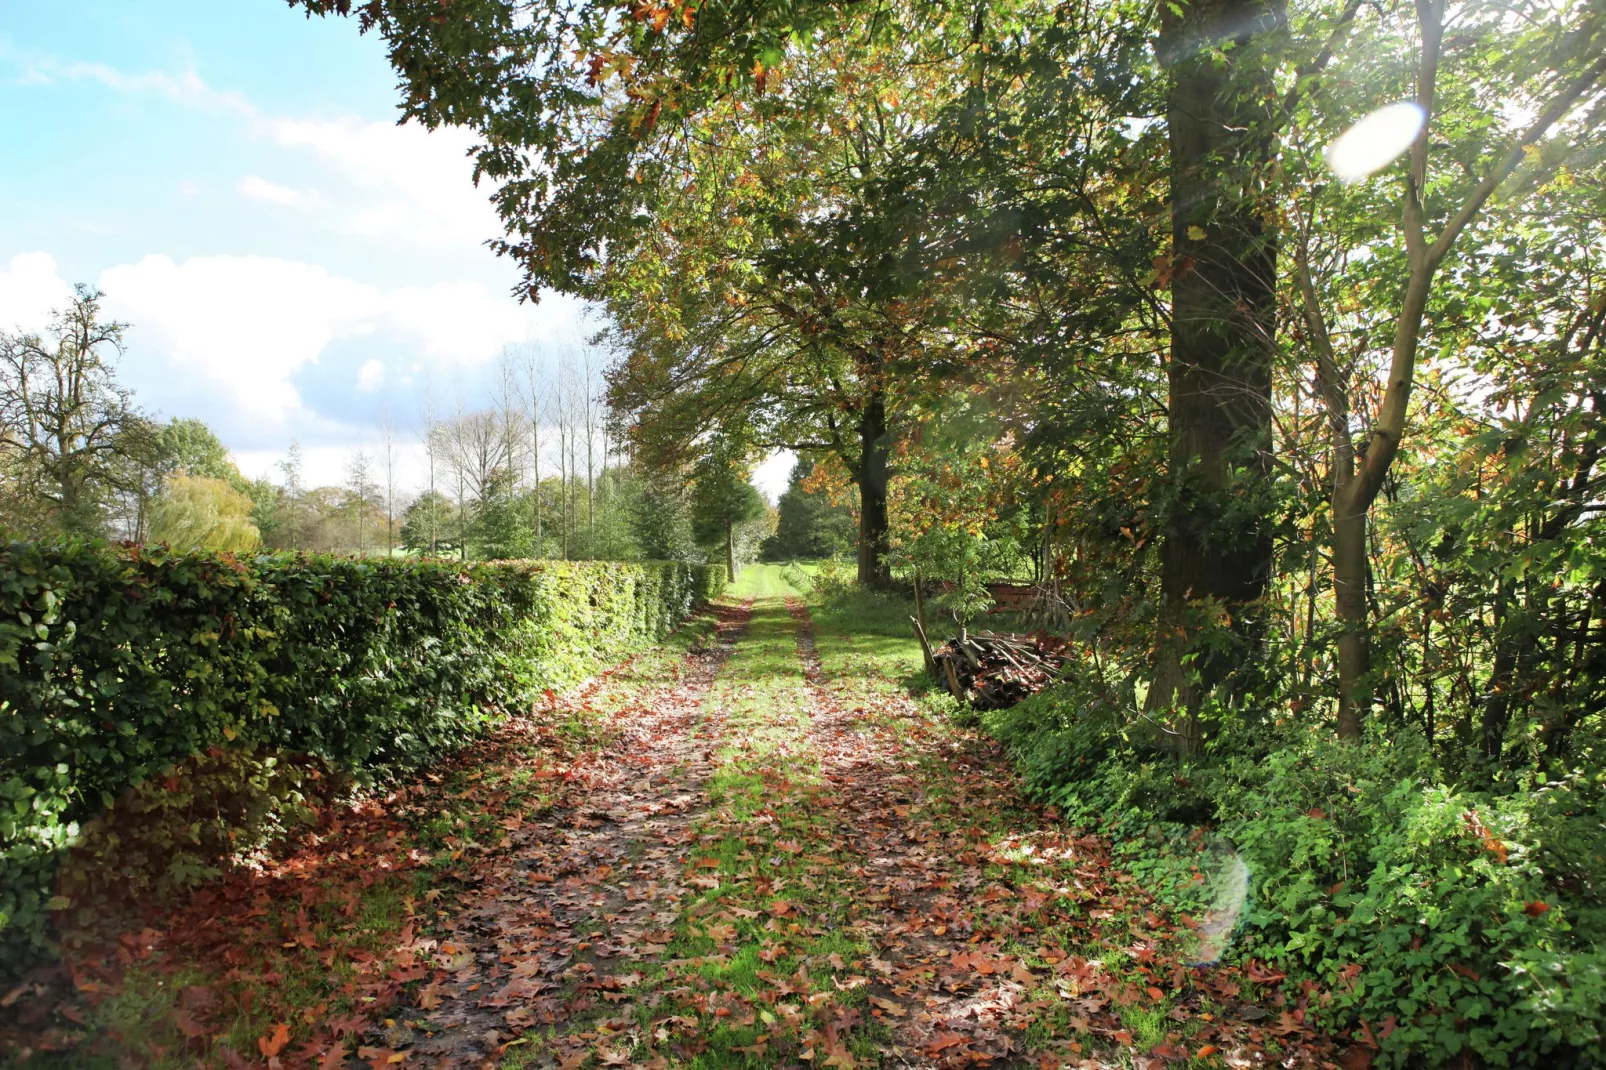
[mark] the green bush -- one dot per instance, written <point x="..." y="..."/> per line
<point x="122" y="664"/>
<point x="1449" y="920"/>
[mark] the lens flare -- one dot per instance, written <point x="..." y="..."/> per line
<point x="1376" y="141"/>
<point x="1228" y="894"/>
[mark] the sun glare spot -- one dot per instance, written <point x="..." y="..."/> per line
<point x="1376" y="141"/>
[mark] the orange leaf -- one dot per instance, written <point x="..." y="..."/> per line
<point x="1155" y="993"/>
<point x="274" y="1042"/>
<point x="1206" y="1051"/>
<point x="1536" y="908"/>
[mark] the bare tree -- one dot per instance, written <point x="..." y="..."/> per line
<point x="292" y="468"/>
<point x="360" y="484"/>
<point x="69" y="434"/>
<point x="510" y="413"/>
<point x="387" y="465"/>
<point x="590" y="411"/>
<point x="532" y="386"/>
<point x="563" y="406"/>
<point x="431" y="457"/>
<point x="474" y="446"/>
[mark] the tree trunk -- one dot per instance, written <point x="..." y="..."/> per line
<point x="730" y="551"/>
<point x="1349" y="596"/>
<point x="535" y="449"/>
<point x="874" y="452"/>
<point x="1223" y="312"/>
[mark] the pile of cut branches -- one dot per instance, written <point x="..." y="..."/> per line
<point x="992" y="671"/>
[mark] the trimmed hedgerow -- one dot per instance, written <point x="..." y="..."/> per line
<point x="119" y="664"/>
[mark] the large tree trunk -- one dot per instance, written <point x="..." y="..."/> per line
<point x="874" y="451"/>
<point x="730" y="551"/>
<point x="1224" y="275"/>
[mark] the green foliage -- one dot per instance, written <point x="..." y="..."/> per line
<point x="723" y="502"/>
<point x="204" y="513"/>
<point x="189" y="445"/>
<point x="618" y="500"/>
<point x="429" y="524"/>
<point x="118" y="665"/>
<point x="832" y="580"/>
<point x="501" y="526"/>
<point x="661" y="520"/>
<point x="173" y="829"/>
<point x="809" y="524"/>
<point x="1422" y="902"/>
<point x="1448" y="920"/>
<point x="73" y="447"/>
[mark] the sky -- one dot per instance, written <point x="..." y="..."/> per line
<point x="293" y="264"/>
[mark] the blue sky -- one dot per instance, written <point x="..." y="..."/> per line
<point x="232" y="176"/>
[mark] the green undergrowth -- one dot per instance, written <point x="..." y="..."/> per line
<point x="1435" y="919"/>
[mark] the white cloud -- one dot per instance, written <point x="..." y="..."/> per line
<point x="185" y="87"/>
<point x="370" y="377"/>
<point x="326" y="466"/>
<point x="463" y="322"/>
<point x="409" y="182"/>
<point x="31" y="289"/>
<point x="406" y="182"/>
<point x="238" y="340"/>
<point x="246" y="324"/>
<point x="773" y="473"/>
<point x="260" y="189"/>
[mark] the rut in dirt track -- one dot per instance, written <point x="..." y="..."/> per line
<point x="916" y="884"/>
<point x="588" y="890"/>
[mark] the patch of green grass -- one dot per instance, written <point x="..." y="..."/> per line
<point x="760" y="580"/>
<point x="1148" y="1023"/>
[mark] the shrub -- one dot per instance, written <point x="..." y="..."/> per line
<point x="1449" y="920"/>
<point x="122" y="664"/>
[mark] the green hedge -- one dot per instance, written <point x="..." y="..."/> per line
<point x="117" y="664"/>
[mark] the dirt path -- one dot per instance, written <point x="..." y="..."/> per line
<point x="948" y="996"/>
<point x="778" y="866"/>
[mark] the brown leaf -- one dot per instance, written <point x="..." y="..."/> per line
<point x="897" y="1010"/>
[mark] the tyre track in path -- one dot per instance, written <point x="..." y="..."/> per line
<point x="912" y="887"/>
<point x="547" y="929"/>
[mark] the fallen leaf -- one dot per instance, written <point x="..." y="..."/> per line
<point x="897" y="1010"/>
<point x="274" y="1042"/>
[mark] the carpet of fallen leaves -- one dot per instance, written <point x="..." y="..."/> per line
<point x="734" y="854"/>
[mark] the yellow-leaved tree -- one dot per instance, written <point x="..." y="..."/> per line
<point x="198" y="513"/>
